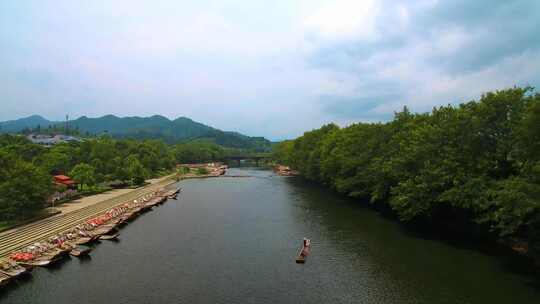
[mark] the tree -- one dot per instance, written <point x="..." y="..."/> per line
<point x="84" y="174"/>
<point x="53" y="162"/>
<point x="24" y="187"/>
<point x="202" y="171"/>
<point x="135" y="170"/>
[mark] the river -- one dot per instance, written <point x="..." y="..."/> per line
<point x="233" y="240"/>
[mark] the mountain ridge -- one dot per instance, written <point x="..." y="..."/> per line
<point x="181" y="129"/>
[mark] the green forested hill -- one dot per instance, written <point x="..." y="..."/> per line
<point x="155" y="127"/>
<point x="13" y="126"/>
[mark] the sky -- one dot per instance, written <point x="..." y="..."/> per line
<point x="263" y="68"/>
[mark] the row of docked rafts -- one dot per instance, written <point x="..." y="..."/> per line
<point x="101" y="227"/>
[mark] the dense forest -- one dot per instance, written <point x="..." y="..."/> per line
<point x="473" y="168"/>
<point x="26" y="169"/>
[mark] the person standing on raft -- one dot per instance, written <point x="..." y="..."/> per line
<point x="305" y="247"/>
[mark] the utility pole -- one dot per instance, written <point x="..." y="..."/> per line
<point x="67" y="127"/>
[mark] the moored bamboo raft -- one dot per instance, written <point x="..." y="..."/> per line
<point x="44" y="260"/>
<point x="96" y="233"/>
<point x="109" y="237"/>
<point x="4" y="279"/>
<point x="123" y="220"/>
<point x="83" y="240"/>
<point x="171" y="194"/>
<point x="133" y="214"/>
<point x="129" y="216"/>
<point x="79" y="251"/>
<point x="57" y="253"/>
<point x="12" y="269"/>
<point x="155" y="201"/>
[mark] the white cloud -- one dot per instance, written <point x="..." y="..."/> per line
<point x="341" y="19"/>
<point x="260" y="67"/>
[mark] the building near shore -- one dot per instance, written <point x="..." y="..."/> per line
<point x="66" y="181"/>
<point x="51" y="140"/>
<point x="285" y="171"/>
<point x="216" y="168"/>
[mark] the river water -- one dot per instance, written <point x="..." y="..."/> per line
<point x="233" y="240"/>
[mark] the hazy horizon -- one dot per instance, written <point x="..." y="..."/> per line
<point x="262" y="69"/>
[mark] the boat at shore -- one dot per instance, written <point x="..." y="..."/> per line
<point x="109" y="237"/>
<point x="154" y="201"/>
<point x="12" y="269"/>
<point x="79" y="251"/>
<point x="101" y="230"/>
<point x="285" y="171"/>
<point x="304" y="251"/>
<point x="172" y="194"/>
<point x="4" y="279"/>
<point x="82" y="240"/>
<point x="45" y="260"/>
<point x="129" y="216"/>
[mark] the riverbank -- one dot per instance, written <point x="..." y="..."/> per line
<point x="42" y="242"/>
<point x="76" y="204"/>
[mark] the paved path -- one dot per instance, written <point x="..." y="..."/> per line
<point x="94" y="199"/>
<point x="23" y="236"/>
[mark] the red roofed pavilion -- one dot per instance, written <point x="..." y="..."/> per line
<point x="64" y="180"/>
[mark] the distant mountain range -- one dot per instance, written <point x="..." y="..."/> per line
<point x="181" y="129"/>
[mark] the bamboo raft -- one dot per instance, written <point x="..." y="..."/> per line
<point x="174" y="195"/>
<point x="44" y="260"/>
<point x="126" y="217"/>
<point x="12" y="269"/>
<point x="171" y="194"/>
<point x="79" y="251"/>
<point x="154" y="202"/>
<point x="83" y="240"/>
<point x="98" y="232"/>
<point x="4" y="279"/>
<point x="129" y="216"/>
<point x="109" y="237"/>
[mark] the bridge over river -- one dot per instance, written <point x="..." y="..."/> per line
<point x="257" y="158"/>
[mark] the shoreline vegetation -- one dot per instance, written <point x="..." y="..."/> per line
<point x="471" y="169"/>
<point x="97" y="164"/>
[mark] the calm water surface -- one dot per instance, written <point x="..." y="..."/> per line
<point x="233" y="240"/>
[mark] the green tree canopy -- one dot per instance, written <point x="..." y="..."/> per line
<point x="135" y="170"/>
<point x="472" y="165"/>
<point x="84" y="174"/>
<point x="23" y="187"/>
